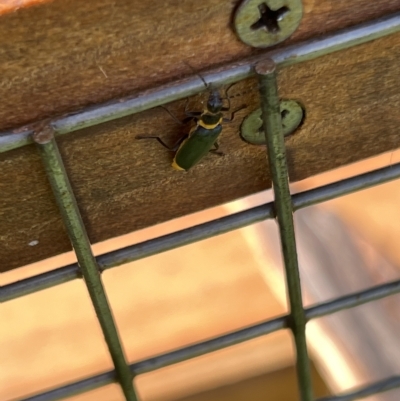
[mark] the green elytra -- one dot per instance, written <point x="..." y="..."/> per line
<point x="202" y="138"/>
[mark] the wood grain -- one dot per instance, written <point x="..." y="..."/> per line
<point x="62" y="55"/>
<point x="122" y="184"/>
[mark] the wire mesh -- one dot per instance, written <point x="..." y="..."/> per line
<point x="197" y="233"/>
<point x="284" y="206"/>
<point x="73" y="222"/>
<point x="231" y="73"/>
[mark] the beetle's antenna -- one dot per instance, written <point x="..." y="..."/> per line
<point x="228" y="89"/>
<point x="204" y="82"/>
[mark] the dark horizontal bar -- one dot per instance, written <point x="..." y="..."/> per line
<point x="346" y="187"/>
<point x="379" y="387"/>
<point x="233" y="72"/>
<point x="76" y="388"/>
<point x="39" y="282"/>
<point x="138" y="251"/>
<point x="215" y="344"/>
<point x="227" y="340"/>
<point x="224" y="341"/>
<point x="185" y="237"/>
<point x="352" y="300"/>
<point x="245" y="218"/>
<point x="199" y="232"/>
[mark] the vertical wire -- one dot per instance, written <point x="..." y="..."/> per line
<point x="72" y="219"/>
<point x="272" y="122"/>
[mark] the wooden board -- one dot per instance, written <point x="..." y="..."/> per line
<point x="122" y="184"/>
<point x="64" y="54"/>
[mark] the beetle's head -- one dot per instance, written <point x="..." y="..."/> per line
<point x="214" y="102"/>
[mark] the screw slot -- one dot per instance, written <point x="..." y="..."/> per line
<point x="284" y="113"/>
<point x="269" y="18"/>
<point x="252" y="131"/>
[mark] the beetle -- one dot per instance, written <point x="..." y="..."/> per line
<point x="202" y="138"/>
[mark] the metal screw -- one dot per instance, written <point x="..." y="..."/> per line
<point x="265" y="23"/>
<point x="292" y="115"/>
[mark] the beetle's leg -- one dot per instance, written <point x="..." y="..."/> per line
<point x="229" y="102"/>
<point x="215" y="150"/>
<point x="173" y="148"/>
<point x="228" y="120"/>
<point x="176" y="119"/>
<point x="227" y="98"/>
<point x="191" y="114"/>
<point x="179" y="142"/>
<point x="157" y="138"/>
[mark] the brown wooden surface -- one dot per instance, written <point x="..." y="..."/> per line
<point x="122" y="184"/>
<point x="65" y="54"/>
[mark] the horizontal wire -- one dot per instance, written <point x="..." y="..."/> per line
<point x="199" y="232"/>
<point x="76" y="388"/>
<point x="233" y="72"/>
<point x="227" y="340"/>
<point x="99" y="114"/>
<point x="267" y="327"/>
<point x="390" y="383"/>
<point x="219" y="226"/>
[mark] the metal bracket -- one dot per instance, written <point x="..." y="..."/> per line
<point x="264" y="23"/>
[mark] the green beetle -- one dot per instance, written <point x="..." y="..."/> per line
<point x="202" y="138"/>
